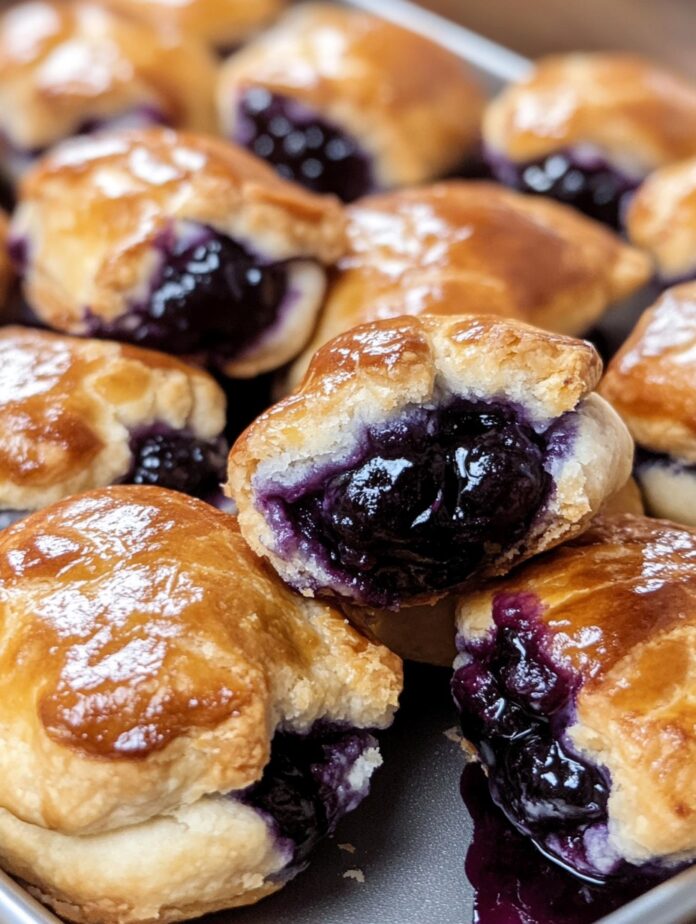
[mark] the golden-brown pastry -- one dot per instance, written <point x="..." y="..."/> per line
<point x="69" y="68"/>
<point x="576" y="680"/>
<point x="460" y="247"/>
<point x="587" y="128"/>
<point x="421" y="451"/>
<point x="661" y="218"/>
<point x="175" y="241"/>
<point x="78" y="414"/>
<point x="221" y="24"/>
<point x="652" y="384"/>
<point x="178" y="729"/>
<point x="344" y="102"/>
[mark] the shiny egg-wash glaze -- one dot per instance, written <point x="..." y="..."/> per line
<point x="575" y="682"/>
<point x="588" y="128"/>
<point x="303" y="97"/>
<point x="170" y="747"/>
<point x="651" y="382"/>
<point x="72" y="68"/>
<point x="180" y="242"/>
<point x="458" y="247"/>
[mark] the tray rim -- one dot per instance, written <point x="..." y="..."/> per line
<point x="672" y="902"/>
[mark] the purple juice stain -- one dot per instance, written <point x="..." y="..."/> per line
<point x="302" y="146"/>
<point x="589" y="183"/>
<point x="516" y="884"/>
<point x="420" y="508"/>
<point x="306" y="788"/>
<point x="177" y="460"/>
<point x="209" y="295"/>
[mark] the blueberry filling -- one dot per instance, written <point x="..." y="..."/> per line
<point x="430" y="497"/>
<point x="310" y="782"/>
<point x="516" y="704"/>
<point x="302" y="146"/>
<point x="588" y="183"/>
<point x="175" y="459"/>
<point x="210" y="294"/>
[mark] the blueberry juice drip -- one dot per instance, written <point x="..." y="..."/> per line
<point x="515" y="884"/>
<point x="306" y="787"/>
<point x="177" y="460"/>
<point x="209" y="295"/>
<point x="302" y="146"/>
<point x="588" y="183"/>
<point x="426" y="501"/>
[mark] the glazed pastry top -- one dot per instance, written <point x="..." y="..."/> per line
<point x="661" y="218"/>
<point x="460" y="247"/>
<point x="66" y="64"/>
<point x="158" y="657"/>
<point x="652" y="379"/>
<point x="632" y="111"/>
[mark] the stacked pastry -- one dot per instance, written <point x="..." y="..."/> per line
<point x="192" y="695"/>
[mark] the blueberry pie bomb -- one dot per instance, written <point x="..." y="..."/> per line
<point x="178" y="242"/>
<point x="178" y="728"/>
<point x="345" y="102"/>
<point x="459" y="246"/>
<point x="78" y="414"/>
<point x="222" y="24"/>
<point x="72" y="68"/>
<point x="651" y="382"/>
<point x="419" y="452"/>
<point x="661" y="218"/>
<point x="587" y="128"/>
<point x="575" y="680"/>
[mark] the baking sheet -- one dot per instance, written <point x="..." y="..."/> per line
<point x="399" y="858"/>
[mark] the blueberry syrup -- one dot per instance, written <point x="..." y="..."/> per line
<point x="210" y="294"/>
<point x="588" y="183"/>
<point x="307" y="787"/>
<point x="301" y="146"/>
<point x="177" y="460"/>
<point x="516" y="704"/>
<point x="431" y="494"/>
<point x="515" y="884"/>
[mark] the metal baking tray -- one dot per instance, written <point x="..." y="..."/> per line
<point x="399" y="858"/>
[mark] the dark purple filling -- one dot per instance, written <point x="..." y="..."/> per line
<point x="209" y="294"/>
<point x="644" y="458"/>
<point x="516" y="885"/>
<point x="516" y="704"/>
<point x="8" y="517"/>
<point x="302" y="146"/>
<point x="175" y="459"/>
<point x="306" y="788"/>
<point x="590" y="184"/>
<point x="430" y="496"/>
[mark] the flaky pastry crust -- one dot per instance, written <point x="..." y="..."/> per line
<point x="617" y="606"/>
<point x="378" y="370"/>
<point x="220" y="23"/>
<point x="661" y="218"/>
<point x="460" y="247"/>
<point x="632" y="111"/>
<point x="68" y="408"/>
<point x="423" y="120"/>
<point x="63" y="65"/>
<point x="652" y="379"/>
<point x="93" y="211"/>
